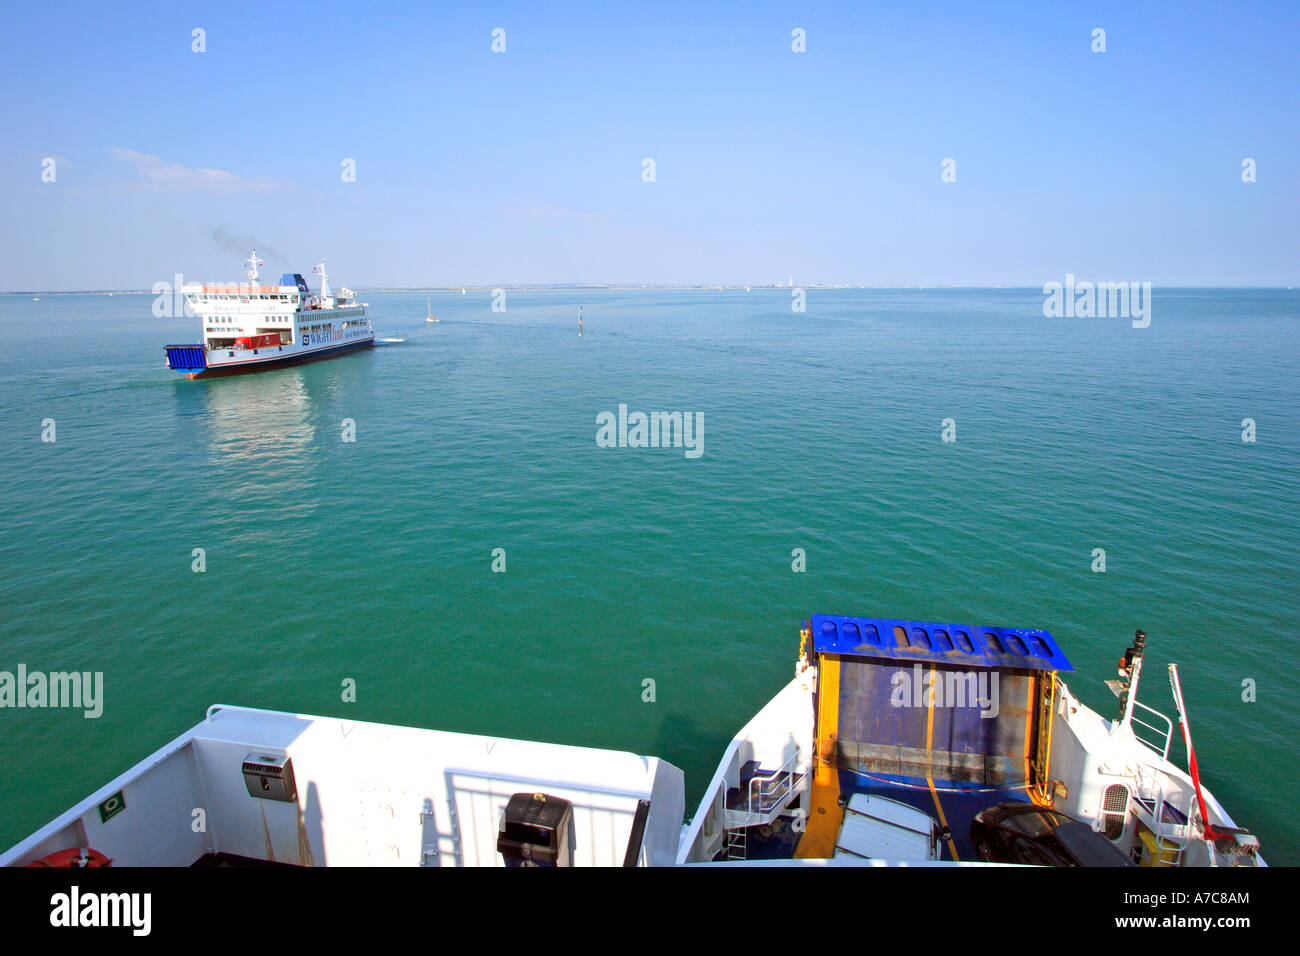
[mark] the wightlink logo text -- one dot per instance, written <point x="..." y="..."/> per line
<point x="1103" y="300"/>
<point x="655" y="430"/>
<point x="82" y="690"/>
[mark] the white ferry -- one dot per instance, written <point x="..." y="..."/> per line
<point x="838" y="769"/>
<point x="250" y="327"/>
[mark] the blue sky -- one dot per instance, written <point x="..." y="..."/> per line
<point x="474" y="167"/>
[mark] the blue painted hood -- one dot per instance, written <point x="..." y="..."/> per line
<point x="961" y="645"/>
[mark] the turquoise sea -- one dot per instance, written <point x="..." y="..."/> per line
<point x="372" y="560"/>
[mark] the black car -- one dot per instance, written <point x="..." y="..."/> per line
<point x="1030" y="834"/>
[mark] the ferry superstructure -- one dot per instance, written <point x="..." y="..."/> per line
<point x="840" y="768"/>
<point x="249" y="327"/>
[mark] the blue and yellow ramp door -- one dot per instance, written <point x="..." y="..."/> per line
<point x="945" y="703"/>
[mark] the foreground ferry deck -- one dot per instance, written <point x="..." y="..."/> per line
<point x="256" y="787"/>
<point x="897" y="742"/>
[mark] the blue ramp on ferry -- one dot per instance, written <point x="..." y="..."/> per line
<point x="950" y="702"/>
<point x="186" y="358"/>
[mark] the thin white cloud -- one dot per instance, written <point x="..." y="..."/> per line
<point x="161" y="174"/>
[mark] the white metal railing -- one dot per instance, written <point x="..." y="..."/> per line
<point x="1170" y="838"/>
<point x="1167" y="733"/>
<point x="772" y="791"/>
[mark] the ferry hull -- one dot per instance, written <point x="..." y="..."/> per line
<point x="278" y="361"/>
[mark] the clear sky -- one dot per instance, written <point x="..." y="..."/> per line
<point x="475" y="167"/>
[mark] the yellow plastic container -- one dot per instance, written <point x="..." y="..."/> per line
<point x="1167" y="856"/>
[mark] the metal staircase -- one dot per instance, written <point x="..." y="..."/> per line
<point x="762" y="795"/>
<point x="1172" y="828"/>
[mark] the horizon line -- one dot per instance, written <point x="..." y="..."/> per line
<point x="684" y="287"/>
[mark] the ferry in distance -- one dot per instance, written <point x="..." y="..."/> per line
<point x="252" y="326"/>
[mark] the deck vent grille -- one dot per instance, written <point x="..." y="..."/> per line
<point x="1114" y="810"/>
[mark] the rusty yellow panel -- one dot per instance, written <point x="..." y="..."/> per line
<point x="825" y="814"/>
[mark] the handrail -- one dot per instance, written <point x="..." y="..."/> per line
<point x="1167" y="733"/>
<point x="772" y="790"/>
<point x="1166" y="834"/>
<point x="208" y="714"/>
<point x="1043" y="751"/>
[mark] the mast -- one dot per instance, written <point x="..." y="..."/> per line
<point x="1130" y="669"/>
<point x="319" y="269"/>
<point x="253" y="262"/>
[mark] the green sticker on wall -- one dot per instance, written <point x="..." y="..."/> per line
<point x="112" y="807"/>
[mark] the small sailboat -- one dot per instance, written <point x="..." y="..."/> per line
<point x="429" y="309"/>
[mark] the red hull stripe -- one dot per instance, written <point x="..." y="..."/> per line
<point x="252" y="365"/>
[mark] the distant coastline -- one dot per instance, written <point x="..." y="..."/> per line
<point x="680" y="287"/>
<point x="569" y="287"/>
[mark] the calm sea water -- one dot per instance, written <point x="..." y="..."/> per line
<point x="371" y="560"/>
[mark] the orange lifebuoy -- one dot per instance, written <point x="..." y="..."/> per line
<point x="81" y="857"/>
